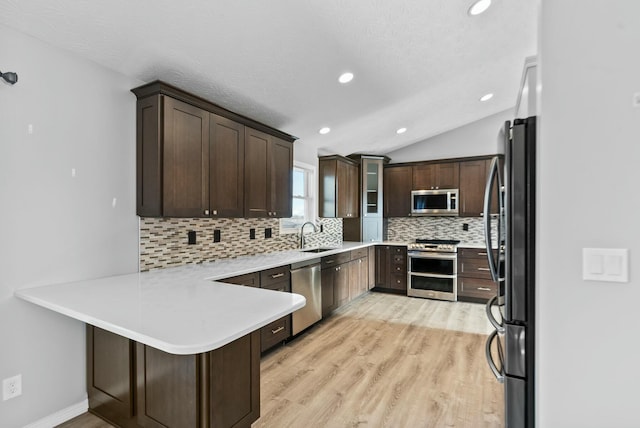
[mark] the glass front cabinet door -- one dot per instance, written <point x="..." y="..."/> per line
<point x="371" y="187"/>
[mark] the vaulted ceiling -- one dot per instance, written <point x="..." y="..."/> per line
<point x="419" y="64"/>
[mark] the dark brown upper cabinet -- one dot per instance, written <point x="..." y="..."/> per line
<point x="268" y="175"/>
<point x="472" y="183"/>
<point x="281" y="163"/>
<point x="193" y="156"/>
<point x="431" y="176"/>
<point x="473" y="180"/>
<point x="176" y="166"/>
<point x="397" y="191"/>
<point x="226" y="167"/>
<point x="339" y="196"/>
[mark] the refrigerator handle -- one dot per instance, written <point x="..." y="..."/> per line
<point x="488" y="193"/>
<point x="498" y="325"/>
<point x="492" y="365"/>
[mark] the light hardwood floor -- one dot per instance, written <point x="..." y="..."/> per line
<point x="381" y="361"/>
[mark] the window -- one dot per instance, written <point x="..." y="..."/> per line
<point x="304" y="197"/>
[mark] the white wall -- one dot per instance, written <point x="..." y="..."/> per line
<point x="305" y="153"/>
<point x="53" y="227"/>
<point x="478" y="138"/>
<point x="588" y="345"/>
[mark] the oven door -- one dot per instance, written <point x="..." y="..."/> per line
<point x="432" y="275"/>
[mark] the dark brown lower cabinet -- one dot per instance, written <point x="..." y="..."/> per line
<point x="133" y="385"/>
<point x="110" y="368"/>
<point x="474" y="279"/>
<point x="391" y="268"/>
<point x="278" y="279"/>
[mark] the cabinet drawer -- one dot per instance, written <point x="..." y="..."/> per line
<point x="284" y="286"/>
<point x="397" y="250"/>
<point x="249" y="279"/>
<point x="336" y="259"/>
<point x="271" y="276"/>
<point x="477" y="253"/>
<point x="398" y="268"/>
<point x="398" y="259"/>
<point x="398" y="281"/>
<point x="275" y="332"/>
<point x="359" y="253"/>
<point x="474" y="268"/>
<point x="476" y="288"/>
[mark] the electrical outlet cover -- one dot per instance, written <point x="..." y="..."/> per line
<point x="11" y="387"/>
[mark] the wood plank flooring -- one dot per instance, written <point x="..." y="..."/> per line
<point x="381" y="361"/>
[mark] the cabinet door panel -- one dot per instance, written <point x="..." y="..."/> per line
<point x="328" y="291"/>
<point x="424" y="177"/>
<point x="353" y="198"/>
<point x="167" y="389"/>
<point x="109" y="374"/>
<point x="343" y="190"/>
<point x="186" y="160"/>
<point x="282" y="176"/>
<point x="257" y="191"/>
<point x="341" y="284"/>
<point x="149" y="158"/>
<point x="447" y="175"/>
<point x="397" y="191"/>
<point x="383" y="257"/>
<point x="371" y="275"/>
<point x="226" y="168"/>
<point x="235" y="382"/>
<point x="472" y="184"/>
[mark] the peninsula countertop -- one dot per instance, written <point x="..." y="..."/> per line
<point x="181" y="310"/>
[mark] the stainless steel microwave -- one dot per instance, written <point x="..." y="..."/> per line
<point x="434" y="202"/>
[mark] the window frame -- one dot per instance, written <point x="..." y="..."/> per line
<point x="311" y="207"/>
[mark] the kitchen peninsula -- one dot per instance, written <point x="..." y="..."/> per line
<point x="172" y="347"/>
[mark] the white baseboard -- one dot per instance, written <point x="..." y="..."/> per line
<point x="61" y="416"/>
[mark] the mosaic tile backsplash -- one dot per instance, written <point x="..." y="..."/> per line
<point x="401" y="229"/>
<point x="164" y="243"/>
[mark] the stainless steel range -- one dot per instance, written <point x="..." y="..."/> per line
<point x="433" y="269"/>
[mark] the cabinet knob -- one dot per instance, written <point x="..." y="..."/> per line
<point x="206" y="212"/>
<point x="215" y="212"/>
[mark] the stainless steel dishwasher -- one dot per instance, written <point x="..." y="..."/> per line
<point x="305" y="280"/>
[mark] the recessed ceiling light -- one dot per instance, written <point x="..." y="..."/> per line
<point x="478" y="7"/>
<point x="345" y="77"/>
<point x="401" y="130"/>
<point x="486" y="97"/>
<point x="324" y="130"/>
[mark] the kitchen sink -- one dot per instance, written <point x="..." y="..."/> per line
<point x="317" y="250"/>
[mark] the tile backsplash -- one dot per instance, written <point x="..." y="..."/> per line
<point x="401" y="229"/>
<point x="164" y="243"/>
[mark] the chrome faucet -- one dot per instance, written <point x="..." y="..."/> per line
<point x="302" y="233"/>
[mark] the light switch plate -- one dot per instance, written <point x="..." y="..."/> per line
<point x="605" y="264"/>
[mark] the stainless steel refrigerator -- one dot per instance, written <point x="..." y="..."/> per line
<point x="510" y="238"/>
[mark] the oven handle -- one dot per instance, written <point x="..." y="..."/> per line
<point x="438" y="256"/>
<point x="432" y="275"/>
